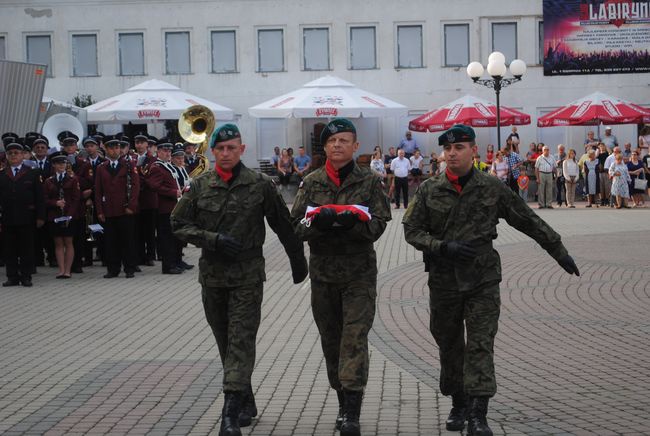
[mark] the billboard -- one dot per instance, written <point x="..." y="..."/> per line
<point x="596" y="37"/>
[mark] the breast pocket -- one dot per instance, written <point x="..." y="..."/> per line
<point x="438" y="208"/>
<point x="320" y="197"/>
<point x="209" y="209"/>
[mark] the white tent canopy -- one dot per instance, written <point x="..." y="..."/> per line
<point x="150" y="101"/>
<point x="328" y="97"/>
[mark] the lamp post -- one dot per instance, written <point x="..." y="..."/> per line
<point x="497" y="69"/>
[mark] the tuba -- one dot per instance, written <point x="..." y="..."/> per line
<point x="196" y="125"/>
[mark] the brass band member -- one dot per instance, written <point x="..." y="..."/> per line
<point x="62" y="194"/>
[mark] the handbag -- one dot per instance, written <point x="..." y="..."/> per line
<point x="640" y="184"/>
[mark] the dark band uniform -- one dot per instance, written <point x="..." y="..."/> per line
<point x="162" y="180"/>
<point x="52" y="190"/>
<point x="111" y="201"/>
<point x="22" y="204"/>
<point x="147" y="209"/>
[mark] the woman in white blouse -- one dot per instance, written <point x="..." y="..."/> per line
<point x="571" y="171"/>
<point x="377" y="164"/>
<point x="500" y="168"/>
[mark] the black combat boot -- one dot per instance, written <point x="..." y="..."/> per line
<point x="351" y="411"/>
<point x="477" y="422"/>
<point x="458" y="413"/>
<point x="339" y="417"/>
<point x="230" y="414"/>
<point x="248" y="408"/>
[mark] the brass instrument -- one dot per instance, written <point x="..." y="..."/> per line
<point x="196" y="125"/>
<point x="66" y="223"/>
<point x="129" y="187"/>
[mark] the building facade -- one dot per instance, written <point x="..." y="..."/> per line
<point x="239" y="53"/>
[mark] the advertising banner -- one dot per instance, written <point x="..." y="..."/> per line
<point x="596" y="37"/>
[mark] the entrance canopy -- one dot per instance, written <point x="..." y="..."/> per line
<point x="468" y="110"/>
<point x="151" y="101"/>
<point x="328" y="97"/>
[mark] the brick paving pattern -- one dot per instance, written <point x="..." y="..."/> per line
<point x="95" y="356"/>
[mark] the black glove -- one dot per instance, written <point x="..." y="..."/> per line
<point x="458" y="250"/>
<point x="229" y="246"/>
<point x="299" y="268"/>
<point x="325" y="219"/>
<point x="569" y="265"/>
<point x="347" y="219"/>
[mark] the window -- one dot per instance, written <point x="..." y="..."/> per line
<point x="131" y="47"/>
<point x="270" y="50"/>
<point x="3" y="49"/>
<point x="540" y="35"/>
<point x="504" y="39"/>
<point x="316" y="48"/>
<point x="224" y="54"/>
<point x="456" y="45"/>
<point x="409" y="46"/>
<point x="84" y="55"/>
<point x="363" y="50"/>
<point x="39" y="51"/>
<point x="177" y="53"/>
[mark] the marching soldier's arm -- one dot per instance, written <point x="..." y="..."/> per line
<point x="416" y="225"/>
<point x="379" y="209"/>
<point x="184" y="222"/>
<point x="517" y="213"/>
<point x="303" y="231"/>
<point x="277" y="215"/>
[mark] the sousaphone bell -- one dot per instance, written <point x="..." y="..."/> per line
<point x="196" y="125"/>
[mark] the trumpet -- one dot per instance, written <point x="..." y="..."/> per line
<point x="195" y="125"/>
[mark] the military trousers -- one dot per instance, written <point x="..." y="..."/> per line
<point x="234" y="314"/>
<point x="344" y="313"/>
<point x="466" y="366"/>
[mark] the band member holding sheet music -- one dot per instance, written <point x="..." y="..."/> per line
<point x="62" y="200"/>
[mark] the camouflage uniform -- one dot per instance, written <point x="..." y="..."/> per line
<point x="468" y="291"/>
<point x="232" y="288"/>
<point x="343" y="271"/>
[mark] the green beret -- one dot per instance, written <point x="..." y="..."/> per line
<point x="337" y="125"/>
<point x="457" y="133"/>
<point x="224" y="133"/>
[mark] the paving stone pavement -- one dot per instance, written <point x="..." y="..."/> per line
<point x="96" y="356"/>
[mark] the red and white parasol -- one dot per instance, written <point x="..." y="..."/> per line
<point x="469" y="110"/>
<point x="595" y="109"/>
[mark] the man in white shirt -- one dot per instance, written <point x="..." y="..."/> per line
<point x="545" y="167"/>
<point x="400" y="166"/>
<point x="608" y="163"/>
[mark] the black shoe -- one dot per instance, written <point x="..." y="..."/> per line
<point x="477" y="421"/>
<point x="27" y="282"/>
<point x="129" y="275"/>
<point x="111" y="275"/>
<point x="173" y="270"/>
<point x="458" y="413"/>
<point x="230" y="414"/>
<point x="184" y="265"/>
<point x="77" y="270"/>
<point x="148" y="262"/>
<point x="11" y="282"/>
<point x="339" y="417"/>
<point x="248" y="408"/>
<point x="351" y="411"/>
<point x="137" y="269"/>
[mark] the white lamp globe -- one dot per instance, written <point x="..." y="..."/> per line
<point x="475" y="70"/>
<point x="518" y="67"/>
<point x="496" y="69"/>
<point x="497" y="57"/>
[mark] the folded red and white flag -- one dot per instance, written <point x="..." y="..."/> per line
<point x="362" y="212"/>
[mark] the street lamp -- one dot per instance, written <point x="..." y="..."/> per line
<point x="497" y="69"/>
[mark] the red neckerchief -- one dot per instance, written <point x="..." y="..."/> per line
<point x="223" y="174"/>
<point x="332" y="173"/>
<point x="453" y="179"/>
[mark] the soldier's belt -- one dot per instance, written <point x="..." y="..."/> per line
<point x="253" y="253"/>
<point x="341" y="250"/>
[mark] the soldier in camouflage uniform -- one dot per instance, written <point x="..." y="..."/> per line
<point x="223" y="213"/>
<point x="343" y="264"/>
<point x="453" y="220"/>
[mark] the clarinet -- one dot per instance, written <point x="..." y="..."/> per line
<point x="62" y="197"/>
